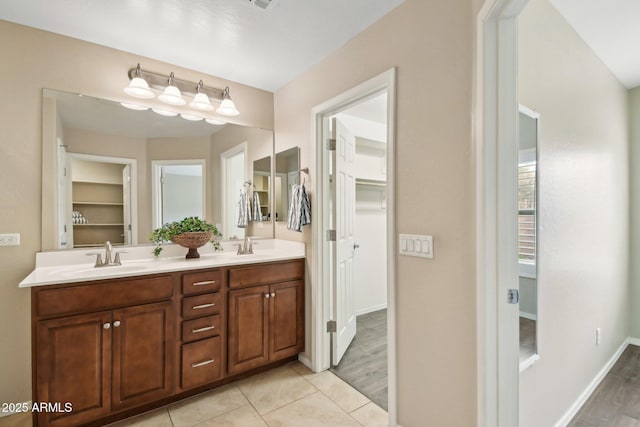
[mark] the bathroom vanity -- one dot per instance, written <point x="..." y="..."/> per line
<point x="160" y="331"/>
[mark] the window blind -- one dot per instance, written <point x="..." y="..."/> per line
<point x="527" y="212"/>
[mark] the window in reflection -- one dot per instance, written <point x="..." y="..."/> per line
<point x="178" y="190"/>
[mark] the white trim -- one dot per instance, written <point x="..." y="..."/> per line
<point x="320" y="293"/>
<point x="305" y="361"/>
<point x="224" y="156"/>
<point x="156" y="207"/>
<point x="528" y="315"/>
<point x="133" y="163"/>
<point x="634" y="341"/>
<point x="527" y="270"/>
<point x="371" y="309"/>
<point x="29" y="403"/>
<point x="586" y="393"/>
<point x="529" y="362"/>
<point x="494" y="136"/>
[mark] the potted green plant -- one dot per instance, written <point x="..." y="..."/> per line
<point x="191" y="233"/>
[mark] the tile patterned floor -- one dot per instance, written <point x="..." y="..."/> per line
<point x="289" y="396"/>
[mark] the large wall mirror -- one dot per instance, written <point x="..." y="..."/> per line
<point x="528" y="233"/>
<point x="112" y="173"/>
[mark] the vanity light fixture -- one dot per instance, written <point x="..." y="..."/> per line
<point x="164" y="112"/>
<point x="173" y="91"/>
<point x="191" y="117"/>
<point x="201" y="100"/>
<point x="138" y="87"/>
<point x="134" y="106"/>
<point x="171" y="94"/>
<point x="227" y="107"/>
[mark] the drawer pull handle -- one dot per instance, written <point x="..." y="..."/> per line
<point x="206" y="328"/>
<point x="206" y="362"/>
<point x="205" y="283"/>
<point x="199" y="307"/>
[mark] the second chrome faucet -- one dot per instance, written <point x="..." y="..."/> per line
<point x="108" y="251"/>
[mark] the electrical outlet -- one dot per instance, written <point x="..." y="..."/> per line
<point x="12" y="239"/>
<point x="598" y="336"/>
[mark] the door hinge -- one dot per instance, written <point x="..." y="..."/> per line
<point x="129" y="226"/>
<point x="331" y="235"/>
<point x="332" y="326"/>
<point x="331" y="144"/>
<point x="513" y="296"/>
<point x="65" y="172"/>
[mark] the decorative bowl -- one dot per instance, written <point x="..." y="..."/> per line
<point x="192" y="240"/>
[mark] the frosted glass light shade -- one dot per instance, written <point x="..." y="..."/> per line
<point x="164" y="112"/>
<point x="172" y="96"/>
<point x="134" y="106"/>
<point x="201" y="102"/>
<point x="191" y="117"/>
<point x="139" y="88"/>
<point x="215" y="122"/>
<point x="227" y="108"/>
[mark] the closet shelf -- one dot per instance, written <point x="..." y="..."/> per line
<point x="98" y="203"/>
<point x="98" y="225"/>
<point x="371" y="182"/>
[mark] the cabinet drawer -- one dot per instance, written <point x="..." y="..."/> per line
<point x="92" y="297"/>
<point x="201" y="362"/>
<point x="201" y="305"/>
<point x="266" y="273"/>
<point x="199" y="283"/>
<point x="198" y="329"/>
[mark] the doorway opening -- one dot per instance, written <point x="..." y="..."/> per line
<point x="356" y="269"/>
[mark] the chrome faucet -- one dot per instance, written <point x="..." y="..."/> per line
<point x="108" y="250"/>
<point x="246" y="247"/>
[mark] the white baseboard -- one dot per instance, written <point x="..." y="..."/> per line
<point x="306" y="362"/>
<point x="634" y="341"/>
<point x="8" y="414"/>
<point x="528" y="315"/>
<point x="573" y="410"/>
<point x="371" y="309"/>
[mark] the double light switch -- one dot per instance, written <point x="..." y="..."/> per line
<point x="416" y="245"/>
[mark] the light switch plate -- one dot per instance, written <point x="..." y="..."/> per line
<point x="417" y="245"/>
<point x="12" y="239"/>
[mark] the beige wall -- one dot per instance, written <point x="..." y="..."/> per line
<point x="31" y="61"/>
<point x="430" y="43"/>
<point x="583" y="212"/>
<point x="634" y="170"/>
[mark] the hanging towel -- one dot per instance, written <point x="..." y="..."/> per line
<point x="256" y="213"/>
<point x="299" y="208"/>
<point x="244" y="210"/>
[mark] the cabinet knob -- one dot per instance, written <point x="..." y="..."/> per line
<point x="106" y="325"/>
<point x="116" y="323"/>
<point x="273" y="294"/>
<point x="267" y="295"/>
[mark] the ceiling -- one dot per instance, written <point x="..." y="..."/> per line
<point x="612" y="29"/>
<point x="232" y="39"/>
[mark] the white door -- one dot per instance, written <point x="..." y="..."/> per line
<point x="344" y="214"/>
<point x="126" y="203"/>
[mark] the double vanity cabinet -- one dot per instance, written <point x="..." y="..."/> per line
<point x="116" y="347"/>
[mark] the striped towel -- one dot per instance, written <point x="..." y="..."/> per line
<point x="299" y="208"/>
<point x="256" y="213"/>
<point x="244" y="210"/>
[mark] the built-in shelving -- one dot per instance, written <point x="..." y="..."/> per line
<point x="102" y="205"/>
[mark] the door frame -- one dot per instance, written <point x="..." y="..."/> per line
<point x="133" y="206"/>
<point x="320" y="259"/>
<point x="224" y="156"/>
<point x="495" y="107"/>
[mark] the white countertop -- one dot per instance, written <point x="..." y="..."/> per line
<point x="70" y="266"/>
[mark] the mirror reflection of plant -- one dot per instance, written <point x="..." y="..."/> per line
<point x="188" y="225"/>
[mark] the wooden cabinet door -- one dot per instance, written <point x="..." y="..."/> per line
<point x="248" y="340"/>
<point x="74" y="366"/>
<point x="286" y="319"/>
<point x="143" y="338"/>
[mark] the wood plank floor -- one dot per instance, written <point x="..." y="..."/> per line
<point x="527" y="338"/>
<point x="616" y="401"/>
<point x="364" y="364"/>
